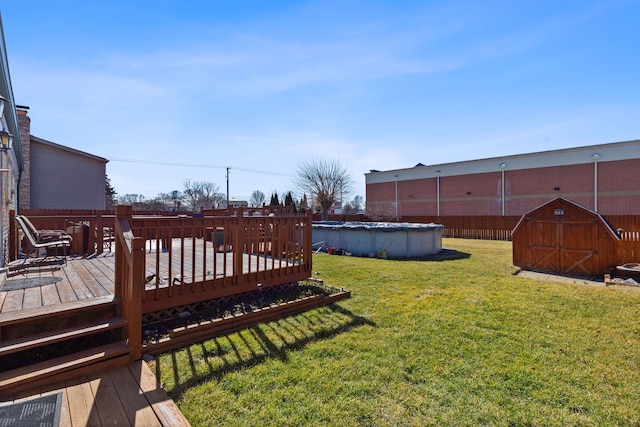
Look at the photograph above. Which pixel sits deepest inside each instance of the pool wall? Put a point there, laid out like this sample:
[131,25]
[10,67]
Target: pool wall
[397,240]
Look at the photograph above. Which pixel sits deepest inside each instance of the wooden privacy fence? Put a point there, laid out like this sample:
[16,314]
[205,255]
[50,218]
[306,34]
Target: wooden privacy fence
[465,227]
[493,227]
[462,227]
[628,229]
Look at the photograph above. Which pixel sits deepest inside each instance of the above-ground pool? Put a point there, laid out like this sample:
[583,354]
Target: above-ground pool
[384,239]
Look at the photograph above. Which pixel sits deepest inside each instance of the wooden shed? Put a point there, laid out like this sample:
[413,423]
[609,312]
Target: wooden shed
[563,237]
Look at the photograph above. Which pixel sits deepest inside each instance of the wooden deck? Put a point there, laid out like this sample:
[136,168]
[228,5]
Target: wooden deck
[80,279]
[83,278]
[116,393]
[122,395]
[128,395]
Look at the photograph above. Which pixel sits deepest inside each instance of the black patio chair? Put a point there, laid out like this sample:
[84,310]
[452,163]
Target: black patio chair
[43,239]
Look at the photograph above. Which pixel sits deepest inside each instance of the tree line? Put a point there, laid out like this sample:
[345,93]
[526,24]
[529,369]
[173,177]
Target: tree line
[324,185]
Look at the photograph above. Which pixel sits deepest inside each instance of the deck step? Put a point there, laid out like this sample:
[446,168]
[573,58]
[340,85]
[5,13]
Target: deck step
[71,309]
[62,367]
[52,319]
[46,338]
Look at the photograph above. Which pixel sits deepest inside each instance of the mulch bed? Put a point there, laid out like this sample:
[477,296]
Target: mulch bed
[232,306]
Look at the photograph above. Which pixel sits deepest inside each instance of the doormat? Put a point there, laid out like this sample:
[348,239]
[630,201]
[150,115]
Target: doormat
[41,411]
[29,282]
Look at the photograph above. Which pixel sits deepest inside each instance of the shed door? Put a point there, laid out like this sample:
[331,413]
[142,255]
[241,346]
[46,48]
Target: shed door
[543,248]
[578,250]
[563,246]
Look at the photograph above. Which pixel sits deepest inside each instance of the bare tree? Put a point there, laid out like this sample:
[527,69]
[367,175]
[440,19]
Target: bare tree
[130,199]
[354,206]
[169,201]
[192,193]
[201,194]
[257,199]
[326,182]
[211,195]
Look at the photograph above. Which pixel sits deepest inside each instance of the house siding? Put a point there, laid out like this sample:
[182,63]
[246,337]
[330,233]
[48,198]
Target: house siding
[64,179]
[11,160]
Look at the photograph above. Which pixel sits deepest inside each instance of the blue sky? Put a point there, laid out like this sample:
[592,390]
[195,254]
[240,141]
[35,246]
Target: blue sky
[260,86]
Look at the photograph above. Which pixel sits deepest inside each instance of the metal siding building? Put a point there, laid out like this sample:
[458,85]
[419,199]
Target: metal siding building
[65,178]
[604,178]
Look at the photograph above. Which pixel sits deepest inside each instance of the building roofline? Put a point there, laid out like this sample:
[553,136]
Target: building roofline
[69,149]
[6,90]
[549,158]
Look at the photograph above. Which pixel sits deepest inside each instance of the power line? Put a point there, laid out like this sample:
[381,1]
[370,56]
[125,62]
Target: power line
[195,165]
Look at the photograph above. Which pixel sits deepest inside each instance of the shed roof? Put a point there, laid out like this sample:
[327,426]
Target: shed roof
[562,202]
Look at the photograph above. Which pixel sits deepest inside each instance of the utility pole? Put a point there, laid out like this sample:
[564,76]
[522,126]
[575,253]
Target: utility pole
[228,169]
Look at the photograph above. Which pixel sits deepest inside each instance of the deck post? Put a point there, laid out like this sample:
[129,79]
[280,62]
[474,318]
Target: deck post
[136,290]
[239,241]
[96,238]
[13,236]
[129,278]
[122,212]
[307,248]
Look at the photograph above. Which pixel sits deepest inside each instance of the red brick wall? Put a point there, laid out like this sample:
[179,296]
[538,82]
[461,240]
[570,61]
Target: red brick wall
[24,124]
[481,194]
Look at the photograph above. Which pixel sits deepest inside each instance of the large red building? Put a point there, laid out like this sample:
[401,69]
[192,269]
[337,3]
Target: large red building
[604,178]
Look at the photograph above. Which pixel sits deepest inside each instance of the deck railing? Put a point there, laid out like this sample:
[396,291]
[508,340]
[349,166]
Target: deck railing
[92,230]
[129,278]
[167,262]
[196,259]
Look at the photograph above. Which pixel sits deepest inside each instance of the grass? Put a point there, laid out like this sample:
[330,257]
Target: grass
[456,342]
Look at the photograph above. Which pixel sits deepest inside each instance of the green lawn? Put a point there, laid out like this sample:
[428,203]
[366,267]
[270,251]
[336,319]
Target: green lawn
[457,342]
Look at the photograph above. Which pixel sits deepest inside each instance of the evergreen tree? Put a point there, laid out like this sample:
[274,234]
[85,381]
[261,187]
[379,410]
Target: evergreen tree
[303,205]
[288,201]
[274,199]
[110,194]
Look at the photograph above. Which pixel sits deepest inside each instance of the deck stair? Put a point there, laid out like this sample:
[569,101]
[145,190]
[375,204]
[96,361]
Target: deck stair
[49,344]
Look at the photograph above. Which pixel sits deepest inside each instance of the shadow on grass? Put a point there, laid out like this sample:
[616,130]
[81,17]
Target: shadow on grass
[448,255]
[218,356]
[443,255]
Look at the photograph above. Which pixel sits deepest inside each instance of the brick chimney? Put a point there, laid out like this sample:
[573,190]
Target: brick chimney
[24,127]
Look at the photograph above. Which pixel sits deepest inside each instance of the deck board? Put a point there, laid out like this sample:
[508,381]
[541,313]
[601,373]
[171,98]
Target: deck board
[80,400]
[127,395]
[110,409]
[49,295]
[93,277]
[135,406]
[32,297]
[65,292]
[80,288]
[13,301]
